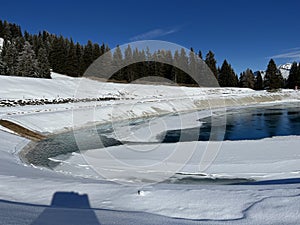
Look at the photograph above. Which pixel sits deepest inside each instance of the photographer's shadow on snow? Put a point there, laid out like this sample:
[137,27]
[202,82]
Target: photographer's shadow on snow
[68,208]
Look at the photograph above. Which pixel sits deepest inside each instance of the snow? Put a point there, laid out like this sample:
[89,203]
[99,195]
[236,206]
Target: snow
[26,191]
[1,43]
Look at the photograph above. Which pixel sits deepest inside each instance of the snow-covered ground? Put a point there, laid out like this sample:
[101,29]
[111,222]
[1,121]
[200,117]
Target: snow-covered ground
[26,191]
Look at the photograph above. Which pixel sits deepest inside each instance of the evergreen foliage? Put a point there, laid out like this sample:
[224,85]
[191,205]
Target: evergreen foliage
[259,85]
[247,79]
[294,76]
[273,78]
[27,64]
[211,63]
[227,76]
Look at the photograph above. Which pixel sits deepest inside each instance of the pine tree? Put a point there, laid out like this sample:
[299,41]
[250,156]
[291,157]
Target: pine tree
[71,65]
[292,79]
[10,57]
[298,76]
[247,79]
[6,33]
[2,65]
[273,78]
[176,71]
[57,56]
[128,58]
[183,78]
[117,64]
[96,51]
[200,54]
[43,64]
[192,67]
[227,77]
[211,63]
[27,63]
[259,81]
[88,56]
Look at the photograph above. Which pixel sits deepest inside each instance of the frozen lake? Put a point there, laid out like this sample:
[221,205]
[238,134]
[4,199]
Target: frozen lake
[248,123]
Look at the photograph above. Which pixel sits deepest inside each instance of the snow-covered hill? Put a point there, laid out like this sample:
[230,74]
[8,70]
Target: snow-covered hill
[26,191]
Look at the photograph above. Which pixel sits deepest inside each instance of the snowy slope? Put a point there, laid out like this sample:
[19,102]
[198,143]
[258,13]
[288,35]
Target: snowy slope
[26,191]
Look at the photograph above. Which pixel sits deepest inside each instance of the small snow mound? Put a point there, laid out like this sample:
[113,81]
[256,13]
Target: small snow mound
[58,76]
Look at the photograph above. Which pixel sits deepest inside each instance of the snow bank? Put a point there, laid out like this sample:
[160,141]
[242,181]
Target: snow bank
[213,204]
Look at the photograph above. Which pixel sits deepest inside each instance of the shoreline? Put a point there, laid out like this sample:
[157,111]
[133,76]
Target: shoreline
[31,145]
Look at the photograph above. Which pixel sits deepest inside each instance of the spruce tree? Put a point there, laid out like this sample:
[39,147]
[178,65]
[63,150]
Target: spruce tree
[298,76]
[10,57]
[200,54]
[292,79]
[211,63]
[43,64]
[2,66]
[27,64]
[273,78]
[128,71]
[227,77]
[57,57]
[259,81]
[88,56]
[71,65]
[247,79]
[117,64]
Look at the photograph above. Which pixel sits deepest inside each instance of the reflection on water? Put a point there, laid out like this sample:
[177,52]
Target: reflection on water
[242,124]
[249,124]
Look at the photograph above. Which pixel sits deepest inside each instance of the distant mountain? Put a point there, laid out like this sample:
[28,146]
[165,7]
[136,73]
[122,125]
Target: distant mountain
[284,69]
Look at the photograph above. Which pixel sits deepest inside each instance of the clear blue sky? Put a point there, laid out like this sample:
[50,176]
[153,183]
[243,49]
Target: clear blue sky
[245,32]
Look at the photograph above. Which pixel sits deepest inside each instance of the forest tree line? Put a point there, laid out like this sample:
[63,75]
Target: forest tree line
[24,54]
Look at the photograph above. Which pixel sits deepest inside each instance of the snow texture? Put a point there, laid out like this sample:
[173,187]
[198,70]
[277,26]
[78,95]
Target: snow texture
[27,193]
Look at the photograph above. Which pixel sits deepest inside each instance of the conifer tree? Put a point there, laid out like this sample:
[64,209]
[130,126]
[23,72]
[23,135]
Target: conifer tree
[71,65]
[259,81]
[10,57]
[227,77]
[273,78]
[96,51]
[57,57]
[43,64]
[200,54]
[27,64]
[292,79]
[2,66]
[117,64]
[211,63]
[247,79]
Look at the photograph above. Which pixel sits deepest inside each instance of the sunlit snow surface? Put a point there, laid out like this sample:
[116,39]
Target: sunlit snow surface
[25,191]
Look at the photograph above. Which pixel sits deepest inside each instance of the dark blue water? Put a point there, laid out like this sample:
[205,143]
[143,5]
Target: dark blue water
[250,123]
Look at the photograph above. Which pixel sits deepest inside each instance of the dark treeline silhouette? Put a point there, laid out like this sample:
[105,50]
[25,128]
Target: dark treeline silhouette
[34,55]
